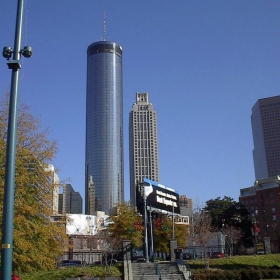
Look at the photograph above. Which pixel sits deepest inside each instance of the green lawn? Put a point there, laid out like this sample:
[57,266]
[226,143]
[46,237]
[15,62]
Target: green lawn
[237,267]
[236,262]
[71,272]
[228,263]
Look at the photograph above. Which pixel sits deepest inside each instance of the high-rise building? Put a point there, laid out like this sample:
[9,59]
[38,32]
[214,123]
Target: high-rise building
[71,201]
[143,143]
[53,180]
[104,127]
[265,122]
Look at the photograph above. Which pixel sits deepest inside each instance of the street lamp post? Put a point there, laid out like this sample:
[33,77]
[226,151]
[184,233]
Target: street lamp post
[151,235]
[193,233]
[265,222]
[193,240]
[9,188]
[173,223]
[147,190]
[145,230]
[256,242]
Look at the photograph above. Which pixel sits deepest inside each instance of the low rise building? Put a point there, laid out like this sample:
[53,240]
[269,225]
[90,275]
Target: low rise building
[263,202]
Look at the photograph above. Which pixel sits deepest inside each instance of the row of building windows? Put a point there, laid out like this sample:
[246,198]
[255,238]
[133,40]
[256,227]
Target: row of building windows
[146,117]
[270,105]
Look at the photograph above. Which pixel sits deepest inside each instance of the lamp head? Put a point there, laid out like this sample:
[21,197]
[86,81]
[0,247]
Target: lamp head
[26,51]
[7,52]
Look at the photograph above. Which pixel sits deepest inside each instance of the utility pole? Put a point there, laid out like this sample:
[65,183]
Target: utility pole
[146,230]
[9,188]
[151,234]
[147,190]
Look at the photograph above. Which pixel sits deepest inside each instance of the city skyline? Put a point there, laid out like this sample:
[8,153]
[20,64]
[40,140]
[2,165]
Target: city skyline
[205,64]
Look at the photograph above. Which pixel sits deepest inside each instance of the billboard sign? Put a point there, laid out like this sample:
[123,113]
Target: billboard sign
[161,197]
[80,224]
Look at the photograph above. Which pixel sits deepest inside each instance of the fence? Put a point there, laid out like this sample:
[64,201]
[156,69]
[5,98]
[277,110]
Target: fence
[87,257]
[198,252]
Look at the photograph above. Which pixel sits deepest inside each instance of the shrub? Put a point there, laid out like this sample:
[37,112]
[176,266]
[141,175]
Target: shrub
[239,274]
[251,274]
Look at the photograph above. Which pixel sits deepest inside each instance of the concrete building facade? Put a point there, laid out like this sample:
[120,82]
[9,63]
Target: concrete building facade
[143,143]
[263,202]
[53,181]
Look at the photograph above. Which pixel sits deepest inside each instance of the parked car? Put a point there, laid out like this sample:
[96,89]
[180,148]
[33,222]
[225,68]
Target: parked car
[15,277]
[139,259]
[70,263]
[187,256]
[217,255]
[112,261]
[109,262]
[96,263]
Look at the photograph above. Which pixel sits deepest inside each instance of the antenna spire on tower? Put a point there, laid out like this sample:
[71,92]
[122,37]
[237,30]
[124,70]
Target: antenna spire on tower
[104,27]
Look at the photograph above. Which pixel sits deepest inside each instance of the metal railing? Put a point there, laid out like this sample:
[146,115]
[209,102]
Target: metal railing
[158,271]
[185,268]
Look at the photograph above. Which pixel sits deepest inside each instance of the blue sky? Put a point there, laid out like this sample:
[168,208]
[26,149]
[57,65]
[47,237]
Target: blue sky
[203,63]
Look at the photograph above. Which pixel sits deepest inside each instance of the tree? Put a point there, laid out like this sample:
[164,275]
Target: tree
[109,246]
[227,213]
[126,224]
[232,235]
[202,228]
[37,240]
[163,232]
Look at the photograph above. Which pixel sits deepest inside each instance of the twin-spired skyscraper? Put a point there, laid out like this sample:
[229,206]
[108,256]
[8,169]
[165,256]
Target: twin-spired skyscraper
[104,127]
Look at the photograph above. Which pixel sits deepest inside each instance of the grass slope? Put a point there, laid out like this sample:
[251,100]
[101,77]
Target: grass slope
[238,262]
[228,263]
[72,272]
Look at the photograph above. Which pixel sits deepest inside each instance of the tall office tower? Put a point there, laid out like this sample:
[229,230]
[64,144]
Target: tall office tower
[91,196]
[143,143]
[53,180]
[71,201]
[104,127]
[265,122]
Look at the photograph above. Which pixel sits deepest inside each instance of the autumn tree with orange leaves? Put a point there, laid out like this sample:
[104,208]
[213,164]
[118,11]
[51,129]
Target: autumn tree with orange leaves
[37,240]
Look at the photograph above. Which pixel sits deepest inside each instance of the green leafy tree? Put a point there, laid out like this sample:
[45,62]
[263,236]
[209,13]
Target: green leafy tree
[37,240]
[229,214]
[163,232]
[126,224]
[225,211]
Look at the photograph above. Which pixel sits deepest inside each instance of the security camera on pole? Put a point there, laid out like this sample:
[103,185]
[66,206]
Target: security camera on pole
[9,188]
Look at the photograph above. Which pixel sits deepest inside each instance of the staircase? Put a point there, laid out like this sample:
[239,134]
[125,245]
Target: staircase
[157,271]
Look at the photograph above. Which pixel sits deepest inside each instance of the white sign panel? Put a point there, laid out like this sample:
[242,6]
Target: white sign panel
[79,224]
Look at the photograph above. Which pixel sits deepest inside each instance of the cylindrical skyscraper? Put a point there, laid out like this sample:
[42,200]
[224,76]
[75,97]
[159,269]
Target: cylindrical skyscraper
[104,127]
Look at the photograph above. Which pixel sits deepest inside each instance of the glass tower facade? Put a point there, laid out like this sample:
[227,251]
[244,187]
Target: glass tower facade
[104,127]
[265,122]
